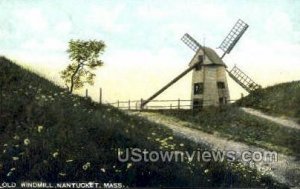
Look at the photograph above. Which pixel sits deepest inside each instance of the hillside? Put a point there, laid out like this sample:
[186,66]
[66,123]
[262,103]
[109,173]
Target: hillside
[47,134]
[233,123]
[282,99]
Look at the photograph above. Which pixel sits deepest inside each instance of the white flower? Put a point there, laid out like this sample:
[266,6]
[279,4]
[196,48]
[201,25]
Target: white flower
[170,138]
[103,170]
[181,144]
[9,174]
[62,174]
[26,141]
[13,169]
[5,145]
[40,128]
[69,161]
[16,137]
[15,158]
[55,154]
[206,171]
[129,165]
[86,166]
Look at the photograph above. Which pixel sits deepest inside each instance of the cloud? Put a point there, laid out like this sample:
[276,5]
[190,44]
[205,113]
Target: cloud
[48,44]
[107,18]
[32,18]
[63,27]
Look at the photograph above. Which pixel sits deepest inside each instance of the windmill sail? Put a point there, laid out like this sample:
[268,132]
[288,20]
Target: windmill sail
[243,80]
[191,42]
[233,37]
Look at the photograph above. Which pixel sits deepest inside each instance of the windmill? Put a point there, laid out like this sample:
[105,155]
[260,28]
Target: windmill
[209,82]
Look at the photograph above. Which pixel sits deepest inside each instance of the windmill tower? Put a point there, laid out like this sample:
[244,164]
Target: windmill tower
[209,82]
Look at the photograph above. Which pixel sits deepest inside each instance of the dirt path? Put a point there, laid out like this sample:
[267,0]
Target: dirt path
[285,170]
[281,121]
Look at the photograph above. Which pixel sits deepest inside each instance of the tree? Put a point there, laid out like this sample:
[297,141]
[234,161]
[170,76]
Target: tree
[84,56]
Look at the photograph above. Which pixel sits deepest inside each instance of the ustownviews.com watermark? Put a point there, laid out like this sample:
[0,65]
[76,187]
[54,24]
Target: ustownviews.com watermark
[138,155]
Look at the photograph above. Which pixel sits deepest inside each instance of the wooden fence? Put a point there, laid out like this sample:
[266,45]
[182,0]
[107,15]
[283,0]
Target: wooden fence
[152,105]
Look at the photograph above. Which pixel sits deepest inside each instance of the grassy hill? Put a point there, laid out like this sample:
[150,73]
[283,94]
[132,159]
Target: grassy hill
[233,123]
[47,134]
[281,99]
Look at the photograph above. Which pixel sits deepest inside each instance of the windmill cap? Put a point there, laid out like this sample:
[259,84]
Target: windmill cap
[213,56]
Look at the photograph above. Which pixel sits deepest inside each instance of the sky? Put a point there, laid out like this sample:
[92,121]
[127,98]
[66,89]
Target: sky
[144,50]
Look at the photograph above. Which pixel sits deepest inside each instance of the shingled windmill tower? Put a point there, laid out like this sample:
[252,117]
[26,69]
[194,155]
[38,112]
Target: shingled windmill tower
[209,82]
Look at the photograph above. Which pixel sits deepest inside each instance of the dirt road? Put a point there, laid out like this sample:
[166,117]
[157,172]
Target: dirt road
[281,121]
[285,170]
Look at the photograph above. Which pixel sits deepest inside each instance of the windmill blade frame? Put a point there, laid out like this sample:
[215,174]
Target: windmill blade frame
[191,42]
[243,80]
[233,37]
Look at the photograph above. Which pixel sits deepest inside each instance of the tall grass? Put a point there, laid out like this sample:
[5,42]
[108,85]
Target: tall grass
[48,134]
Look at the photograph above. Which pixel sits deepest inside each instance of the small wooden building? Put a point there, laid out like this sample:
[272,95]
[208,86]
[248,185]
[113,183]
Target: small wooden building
[209,83]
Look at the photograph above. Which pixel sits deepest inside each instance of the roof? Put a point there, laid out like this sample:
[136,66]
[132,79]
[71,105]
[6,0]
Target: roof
[213,56]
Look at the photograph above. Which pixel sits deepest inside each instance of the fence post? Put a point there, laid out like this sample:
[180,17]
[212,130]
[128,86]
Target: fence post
[171,106]
[100,96]
[128,104]
[86,93]
[141,103]
[136,106]
[178,103]
[118,103]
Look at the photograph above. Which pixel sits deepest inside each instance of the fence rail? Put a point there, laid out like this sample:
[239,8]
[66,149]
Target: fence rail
[153,104]
[157,104]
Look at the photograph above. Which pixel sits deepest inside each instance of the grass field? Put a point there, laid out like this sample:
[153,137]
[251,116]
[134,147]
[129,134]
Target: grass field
[282,99]
[47,134]
[233,123]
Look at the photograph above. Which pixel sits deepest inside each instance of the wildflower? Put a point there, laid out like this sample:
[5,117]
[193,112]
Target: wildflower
[206,171]
[62,174]
[9,174]
[5,145]
[16,137]
[103,170]
[86,166]
[153,133]
[13,169]
[69,161]
[15,158]
[21,154]
[26,141]
[170,138]
[40,128]
[55,154]
[181,144]
[129,165]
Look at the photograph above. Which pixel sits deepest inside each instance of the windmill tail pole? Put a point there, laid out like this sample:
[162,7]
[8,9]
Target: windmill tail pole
[167,86]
